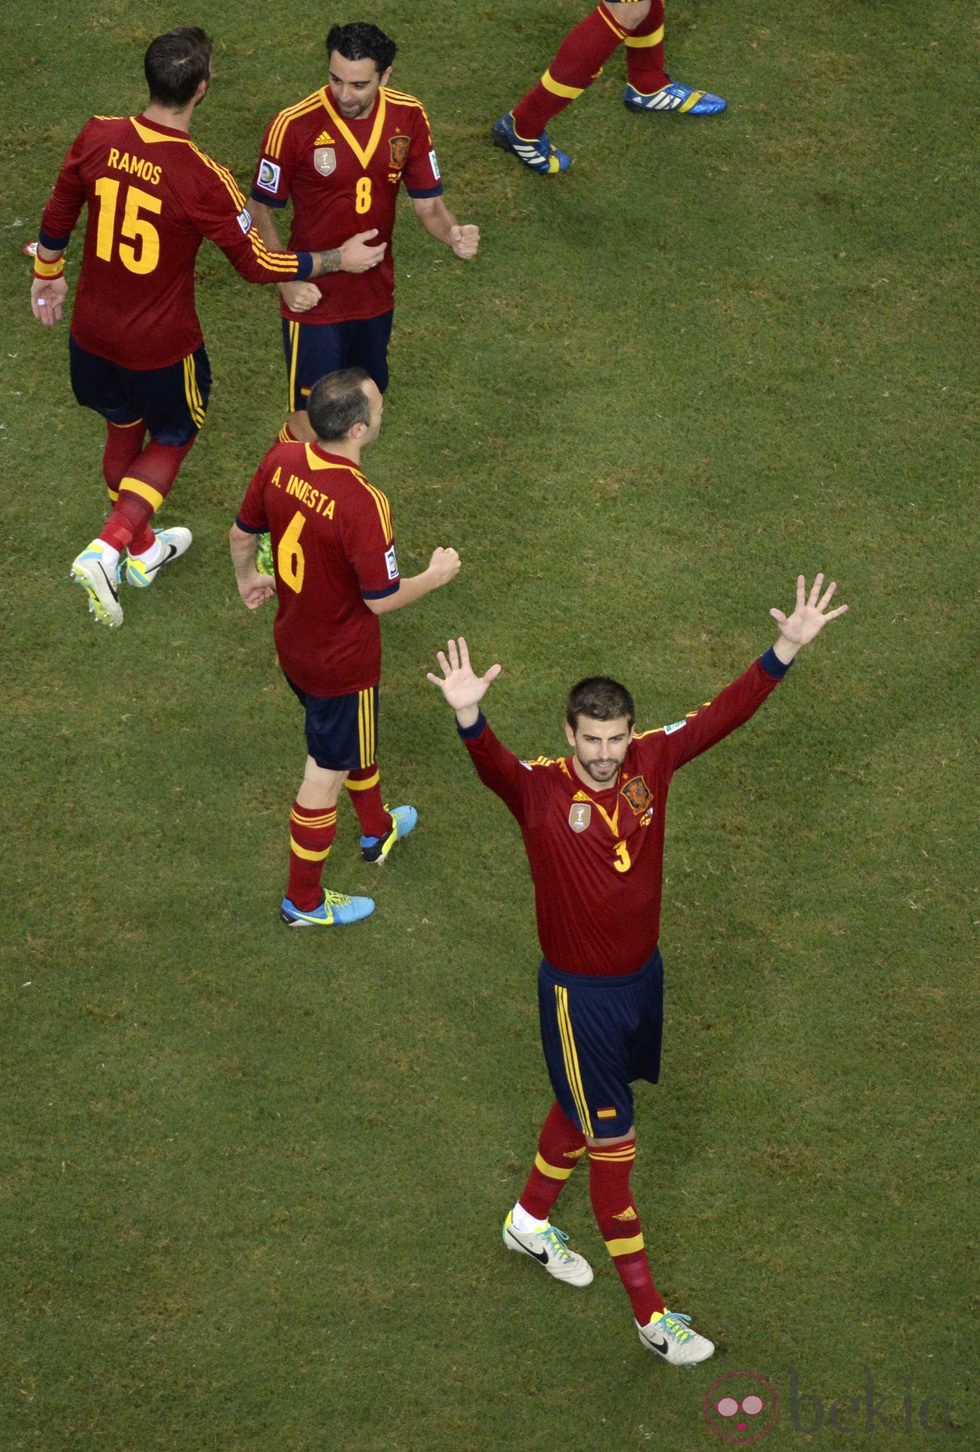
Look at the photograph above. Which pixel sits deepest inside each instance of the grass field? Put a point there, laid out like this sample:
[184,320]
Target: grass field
[252,1181]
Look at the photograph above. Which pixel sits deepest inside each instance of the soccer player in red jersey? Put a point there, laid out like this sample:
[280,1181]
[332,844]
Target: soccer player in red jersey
[136,347]
[580,58]
[593,829]
[340,156]
[336,572]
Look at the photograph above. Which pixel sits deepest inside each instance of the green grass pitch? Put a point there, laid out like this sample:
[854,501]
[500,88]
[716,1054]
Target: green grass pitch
[252,1181]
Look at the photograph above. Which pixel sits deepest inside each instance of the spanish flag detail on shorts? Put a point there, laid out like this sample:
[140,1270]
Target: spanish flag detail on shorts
[605,1114]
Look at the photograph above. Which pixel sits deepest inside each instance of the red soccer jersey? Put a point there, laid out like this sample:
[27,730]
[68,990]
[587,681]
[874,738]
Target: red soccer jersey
[333,547]
[152,195]
[596,857]
[343,178]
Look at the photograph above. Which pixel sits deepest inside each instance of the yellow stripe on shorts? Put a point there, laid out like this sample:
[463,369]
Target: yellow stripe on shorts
[569,1055]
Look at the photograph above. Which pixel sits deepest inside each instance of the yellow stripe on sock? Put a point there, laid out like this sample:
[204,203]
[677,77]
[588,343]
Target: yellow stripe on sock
[639,41]
[568,93]
[553,1172]
[625,1247]
[152,496]
[305,853]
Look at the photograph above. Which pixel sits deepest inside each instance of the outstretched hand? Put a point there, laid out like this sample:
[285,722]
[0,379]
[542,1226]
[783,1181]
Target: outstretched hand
[808,619]
[459,683]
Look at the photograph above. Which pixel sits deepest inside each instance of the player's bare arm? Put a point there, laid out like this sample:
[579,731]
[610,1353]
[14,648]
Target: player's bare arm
[459,683]
[439,222]
[254,587]
[358,254]
[442,567]
[808,618]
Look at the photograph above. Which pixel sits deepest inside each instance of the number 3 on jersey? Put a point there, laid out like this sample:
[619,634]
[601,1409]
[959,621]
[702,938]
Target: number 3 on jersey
[622,863]
[362,195]
[289,556]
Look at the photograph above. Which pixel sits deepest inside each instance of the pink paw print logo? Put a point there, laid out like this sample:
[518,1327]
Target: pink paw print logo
[742,1407]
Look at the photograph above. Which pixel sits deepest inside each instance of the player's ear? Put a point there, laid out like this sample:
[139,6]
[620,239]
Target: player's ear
[384,77]
[569,734]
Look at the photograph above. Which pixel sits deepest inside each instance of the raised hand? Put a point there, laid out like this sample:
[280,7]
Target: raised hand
[459,683]
[809,617]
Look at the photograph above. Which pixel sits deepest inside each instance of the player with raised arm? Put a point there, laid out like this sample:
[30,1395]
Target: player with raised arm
[593,829]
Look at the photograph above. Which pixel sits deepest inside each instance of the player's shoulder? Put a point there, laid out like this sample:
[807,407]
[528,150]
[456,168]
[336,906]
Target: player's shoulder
[297,113]
[401,100]
[648,745]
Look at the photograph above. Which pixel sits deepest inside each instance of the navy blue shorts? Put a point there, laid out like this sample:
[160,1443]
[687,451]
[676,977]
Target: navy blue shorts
[341,731]
[599,1035]
[315,349]
[170,401]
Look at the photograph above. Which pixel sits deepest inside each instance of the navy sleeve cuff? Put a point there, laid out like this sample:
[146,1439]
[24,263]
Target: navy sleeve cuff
[247,528]
[53,244]
[470,733]
[772,665]
[426,192]
[305,260]
[273,202]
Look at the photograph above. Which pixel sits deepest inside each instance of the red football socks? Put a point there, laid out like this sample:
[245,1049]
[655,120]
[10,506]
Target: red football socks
[560,1147]
[645,52]
[580,58]
[123,444]
[142,490]
[619,1222]
[311,833]
[364,785]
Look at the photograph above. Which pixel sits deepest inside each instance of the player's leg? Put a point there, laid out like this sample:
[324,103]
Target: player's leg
[561,1143]
[666,1333]
[579,60]
[599,1035]
[171,404]
[331,733]
[312,350]
[380,828]
[174,402]
[649,88]
[528,1228]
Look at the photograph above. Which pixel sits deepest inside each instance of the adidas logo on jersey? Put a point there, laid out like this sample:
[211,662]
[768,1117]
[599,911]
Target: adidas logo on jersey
[325,139]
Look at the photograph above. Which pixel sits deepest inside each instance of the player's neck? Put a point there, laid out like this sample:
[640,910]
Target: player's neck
[164,116]
[349,449]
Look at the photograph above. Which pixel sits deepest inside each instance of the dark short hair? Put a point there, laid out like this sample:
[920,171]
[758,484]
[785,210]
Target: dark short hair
[337,402]
[361,41]
[600,698]
[176,63]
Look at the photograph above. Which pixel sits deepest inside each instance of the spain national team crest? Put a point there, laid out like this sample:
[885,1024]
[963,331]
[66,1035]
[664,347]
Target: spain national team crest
[579,816]
[398,146]
[325,160]
[638,794]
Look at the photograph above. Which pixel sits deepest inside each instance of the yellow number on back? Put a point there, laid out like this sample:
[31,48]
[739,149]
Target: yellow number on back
[145,256]
[289,556]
